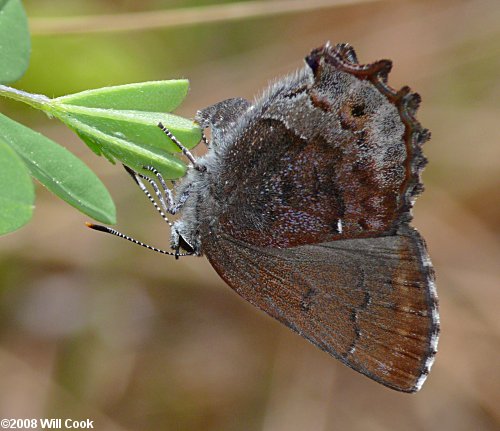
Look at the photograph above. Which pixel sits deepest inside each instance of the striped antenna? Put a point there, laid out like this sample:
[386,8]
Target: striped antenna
[162,208]
[184,150]
[133,240]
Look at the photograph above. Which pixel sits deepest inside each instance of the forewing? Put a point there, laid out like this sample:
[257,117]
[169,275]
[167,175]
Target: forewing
[330,153]
[368,302]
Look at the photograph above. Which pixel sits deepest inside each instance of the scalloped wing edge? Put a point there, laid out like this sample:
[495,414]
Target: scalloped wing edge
[343,57]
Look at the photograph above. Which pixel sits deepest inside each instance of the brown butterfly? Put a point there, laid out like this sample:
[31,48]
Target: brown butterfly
[302,205]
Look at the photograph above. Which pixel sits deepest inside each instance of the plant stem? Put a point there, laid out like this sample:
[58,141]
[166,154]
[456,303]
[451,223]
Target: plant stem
[168,18]
[37,101]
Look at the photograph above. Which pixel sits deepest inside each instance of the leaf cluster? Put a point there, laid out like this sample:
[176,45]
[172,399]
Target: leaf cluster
[119,123]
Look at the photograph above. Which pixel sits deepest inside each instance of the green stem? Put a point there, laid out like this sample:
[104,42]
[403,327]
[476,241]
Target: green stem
[37,101]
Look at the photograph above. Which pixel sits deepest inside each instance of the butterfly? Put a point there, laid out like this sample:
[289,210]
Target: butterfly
[302,204]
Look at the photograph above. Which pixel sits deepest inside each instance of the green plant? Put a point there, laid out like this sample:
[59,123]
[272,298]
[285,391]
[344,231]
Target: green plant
[118,122]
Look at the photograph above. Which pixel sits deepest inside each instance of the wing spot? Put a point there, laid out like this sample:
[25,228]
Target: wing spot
[358,110]
[363,224]
[308,299]
[339,225]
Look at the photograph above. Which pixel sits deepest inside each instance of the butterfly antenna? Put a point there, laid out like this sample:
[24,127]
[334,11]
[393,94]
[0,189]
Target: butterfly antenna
[137,178]
[111,231]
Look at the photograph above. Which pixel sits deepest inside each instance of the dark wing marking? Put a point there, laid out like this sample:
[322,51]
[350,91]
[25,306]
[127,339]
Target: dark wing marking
[368,302]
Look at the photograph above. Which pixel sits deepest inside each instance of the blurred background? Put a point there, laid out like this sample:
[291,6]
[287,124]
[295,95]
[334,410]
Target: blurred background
[93,327]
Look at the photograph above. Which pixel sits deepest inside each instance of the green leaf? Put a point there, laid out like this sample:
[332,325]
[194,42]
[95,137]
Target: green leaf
[138,127]
[15,42]
[17,193]
[151,96]
[60,171]
[133,137]
[129,153]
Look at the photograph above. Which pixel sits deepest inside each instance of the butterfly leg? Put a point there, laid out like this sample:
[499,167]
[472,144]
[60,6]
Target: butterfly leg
[184,150]
[164,206]
[205,139]
[171,205]
[167,205]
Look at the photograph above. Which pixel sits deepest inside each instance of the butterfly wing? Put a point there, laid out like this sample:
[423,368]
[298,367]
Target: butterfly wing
[368,302]
[329,153]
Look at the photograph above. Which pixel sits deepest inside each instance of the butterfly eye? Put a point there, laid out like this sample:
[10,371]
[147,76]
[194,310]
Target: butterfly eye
[185,245]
